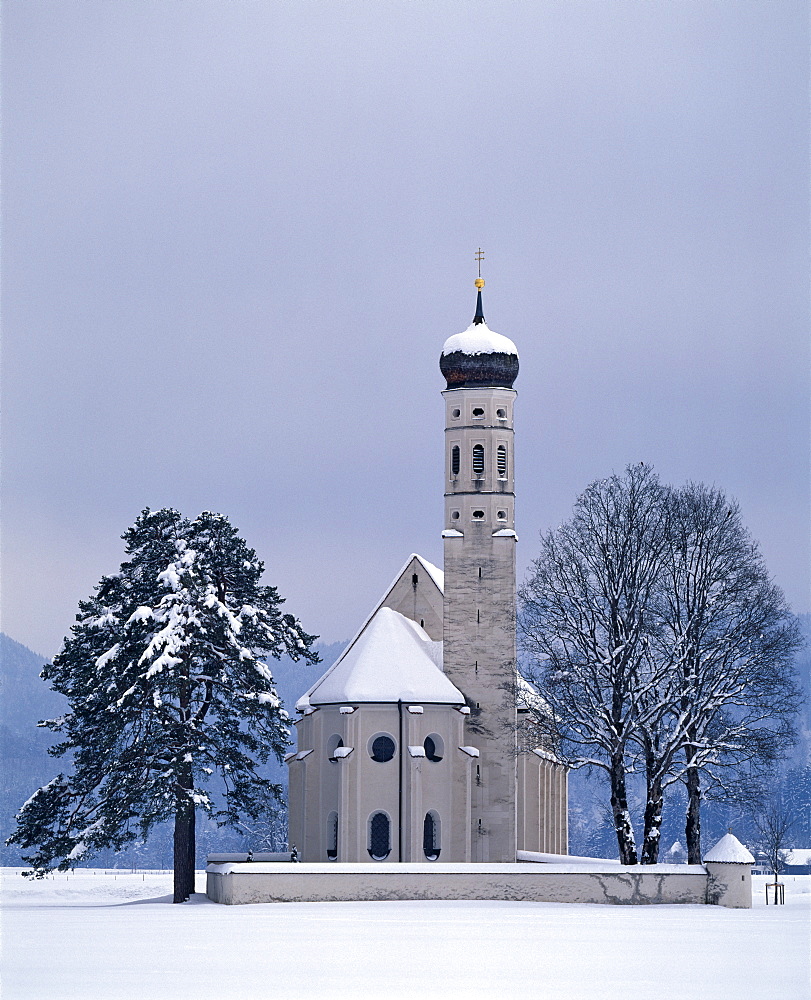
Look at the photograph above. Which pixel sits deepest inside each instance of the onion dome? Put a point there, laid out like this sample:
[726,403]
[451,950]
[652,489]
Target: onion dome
[479,357]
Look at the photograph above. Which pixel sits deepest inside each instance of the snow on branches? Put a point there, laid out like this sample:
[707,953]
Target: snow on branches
[168,683]
[660,643]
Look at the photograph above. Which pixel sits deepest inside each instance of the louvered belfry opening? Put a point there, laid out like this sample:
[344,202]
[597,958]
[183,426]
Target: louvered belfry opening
[455,460]
[478,459]
[501,461]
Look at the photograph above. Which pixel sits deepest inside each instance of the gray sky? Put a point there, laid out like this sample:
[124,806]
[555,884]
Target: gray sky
[236,235]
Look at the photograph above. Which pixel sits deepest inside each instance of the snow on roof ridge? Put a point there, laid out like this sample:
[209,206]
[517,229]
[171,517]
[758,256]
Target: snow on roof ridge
[304,701]
[479,339]
[436,574]
[729,850]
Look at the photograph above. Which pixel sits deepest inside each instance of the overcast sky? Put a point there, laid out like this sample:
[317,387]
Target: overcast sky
[236,235]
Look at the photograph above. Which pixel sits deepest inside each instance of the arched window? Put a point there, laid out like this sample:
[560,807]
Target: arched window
[332,745]
[382,748]
[434,748]
[379,836]
[501,461]
[478,459]
[332,836]
[455,460]
[430,836]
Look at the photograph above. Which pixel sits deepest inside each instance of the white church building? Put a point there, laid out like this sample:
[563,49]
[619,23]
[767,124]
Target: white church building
[411,747]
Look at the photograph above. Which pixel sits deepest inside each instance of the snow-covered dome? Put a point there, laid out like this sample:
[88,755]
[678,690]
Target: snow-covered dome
[729,850]
[392,660]
[479,339]
[479,356]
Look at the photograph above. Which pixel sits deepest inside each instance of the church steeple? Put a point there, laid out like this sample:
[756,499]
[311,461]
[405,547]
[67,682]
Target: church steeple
[480,367]
[479,317]
[479,283]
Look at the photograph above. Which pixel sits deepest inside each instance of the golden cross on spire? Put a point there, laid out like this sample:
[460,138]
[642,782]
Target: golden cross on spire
[479,258]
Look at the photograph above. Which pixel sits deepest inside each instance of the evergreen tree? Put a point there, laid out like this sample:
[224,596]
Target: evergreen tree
[168,686]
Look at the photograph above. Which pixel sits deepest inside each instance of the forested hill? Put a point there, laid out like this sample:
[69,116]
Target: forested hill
[25,699]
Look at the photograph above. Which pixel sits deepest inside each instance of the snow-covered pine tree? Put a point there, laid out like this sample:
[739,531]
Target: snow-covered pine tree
[166,677]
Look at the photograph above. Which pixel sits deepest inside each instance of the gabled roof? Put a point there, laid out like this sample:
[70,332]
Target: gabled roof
[392,660]
[438,578]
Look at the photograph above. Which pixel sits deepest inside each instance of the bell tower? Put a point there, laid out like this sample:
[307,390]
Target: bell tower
[480,367]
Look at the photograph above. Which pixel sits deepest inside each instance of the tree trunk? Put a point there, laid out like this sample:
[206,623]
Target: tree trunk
[692,829]
[622,818]
[184,842]
[653,821]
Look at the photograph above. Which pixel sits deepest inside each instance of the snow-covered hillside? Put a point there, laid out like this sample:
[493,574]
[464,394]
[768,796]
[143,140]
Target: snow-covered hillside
[117,936]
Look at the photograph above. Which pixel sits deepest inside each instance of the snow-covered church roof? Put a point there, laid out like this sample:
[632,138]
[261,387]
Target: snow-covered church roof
[392,659]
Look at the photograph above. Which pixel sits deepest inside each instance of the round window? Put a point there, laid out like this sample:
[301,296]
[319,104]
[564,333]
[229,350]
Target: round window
[502,515]
[501,414]
[455,515]
[456,413]
[381,748]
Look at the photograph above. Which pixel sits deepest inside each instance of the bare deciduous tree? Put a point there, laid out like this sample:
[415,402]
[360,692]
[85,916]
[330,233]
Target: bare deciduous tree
[728,639]
[583,620]
[661,644]
[773,825]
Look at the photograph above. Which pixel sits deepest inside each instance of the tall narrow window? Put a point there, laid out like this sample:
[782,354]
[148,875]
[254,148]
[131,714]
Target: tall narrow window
[379,836]
[332,836]
[332,745]
[501,461]
[430,836]
[455,460]
[478,459]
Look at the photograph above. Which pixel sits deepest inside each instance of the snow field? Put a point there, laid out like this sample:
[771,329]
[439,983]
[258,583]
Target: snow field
[117,936]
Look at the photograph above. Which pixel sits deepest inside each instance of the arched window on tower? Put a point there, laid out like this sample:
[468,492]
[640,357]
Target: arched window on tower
[501,461]
[478,460]
[430,836]
[332,836]
[379,836]
[455,460]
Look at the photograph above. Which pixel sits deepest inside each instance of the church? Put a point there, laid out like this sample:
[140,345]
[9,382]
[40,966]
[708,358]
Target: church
[414,745]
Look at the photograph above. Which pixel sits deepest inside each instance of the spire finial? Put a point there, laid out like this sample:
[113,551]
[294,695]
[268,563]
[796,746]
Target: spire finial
[479,283]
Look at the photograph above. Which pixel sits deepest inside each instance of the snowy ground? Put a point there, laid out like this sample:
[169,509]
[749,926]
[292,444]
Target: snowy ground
[116,936]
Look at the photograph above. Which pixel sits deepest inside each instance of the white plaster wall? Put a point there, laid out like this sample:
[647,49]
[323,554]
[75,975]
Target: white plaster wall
[421,602]
[656,884]
[729,884]
[358,786]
